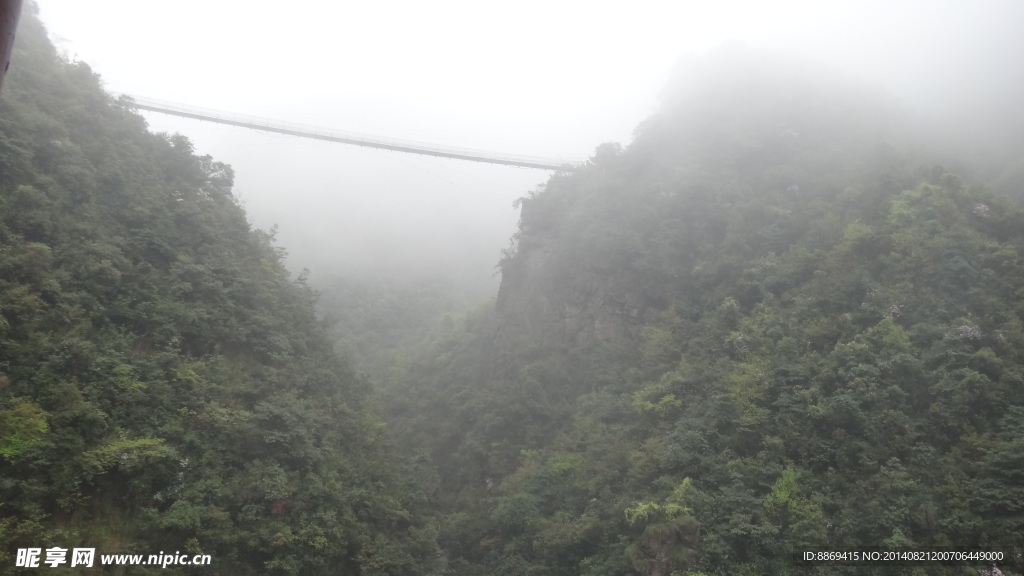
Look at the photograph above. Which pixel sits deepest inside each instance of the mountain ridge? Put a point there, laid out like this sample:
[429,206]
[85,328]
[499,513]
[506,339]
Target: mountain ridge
[165,385]
[770,322]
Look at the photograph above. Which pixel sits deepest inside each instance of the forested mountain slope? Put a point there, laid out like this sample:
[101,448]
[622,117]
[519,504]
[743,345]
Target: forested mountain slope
[164,385]
[771,321]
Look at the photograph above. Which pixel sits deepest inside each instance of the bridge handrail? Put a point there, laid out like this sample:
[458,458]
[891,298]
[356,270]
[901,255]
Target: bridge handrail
[305,131]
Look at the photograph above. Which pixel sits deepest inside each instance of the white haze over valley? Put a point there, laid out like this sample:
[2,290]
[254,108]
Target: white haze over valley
[535,78]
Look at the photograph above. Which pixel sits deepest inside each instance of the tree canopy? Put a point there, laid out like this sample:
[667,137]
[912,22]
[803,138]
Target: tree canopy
[772,321]
[164,383]
[769,322]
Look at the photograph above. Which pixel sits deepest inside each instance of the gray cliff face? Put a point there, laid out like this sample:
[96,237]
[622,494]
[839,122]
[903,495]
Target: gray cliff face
[603,251]
[551,297]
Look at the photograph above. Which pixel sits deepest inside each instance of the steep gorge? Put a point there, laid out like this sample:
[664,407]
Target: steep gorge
[772,321]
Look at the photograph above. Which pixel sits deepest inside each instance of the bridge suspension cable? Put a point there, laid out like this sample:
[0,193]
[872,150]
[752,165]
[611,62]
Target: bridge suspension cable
[346,137]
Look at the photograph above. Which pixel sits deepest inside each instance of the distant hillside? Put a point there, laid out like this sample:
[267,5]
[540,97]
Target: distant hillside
[164,385]
[770,322]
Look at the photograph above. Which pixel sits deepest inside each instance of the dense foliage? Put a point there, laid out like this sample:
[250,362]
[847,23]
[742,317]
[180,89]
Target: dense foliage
[770,322]
[164,385]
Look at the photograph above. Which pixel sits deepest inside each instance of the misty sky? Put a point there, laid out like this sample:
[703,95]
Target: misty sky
[536,78]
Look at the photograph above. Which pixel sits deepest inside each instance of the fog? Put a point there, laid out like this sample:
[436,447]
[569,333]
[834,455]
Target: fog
[527,77]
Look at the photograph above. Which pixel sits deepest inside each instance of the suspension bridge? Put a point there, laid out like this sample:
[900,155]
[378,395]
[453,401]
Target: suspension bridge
[298,130]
